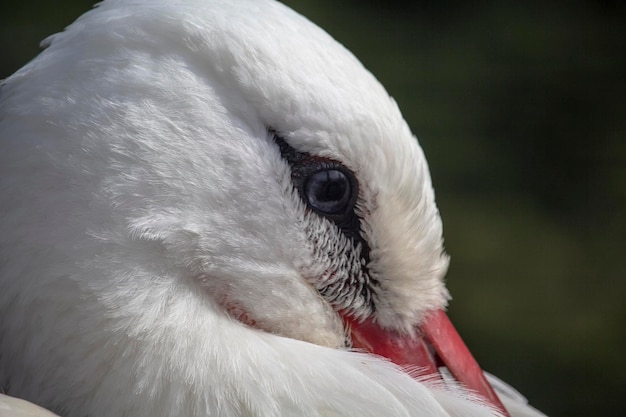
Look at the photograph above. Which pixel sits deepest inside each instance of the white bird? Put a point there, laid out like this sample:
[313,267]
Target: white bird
[210,208]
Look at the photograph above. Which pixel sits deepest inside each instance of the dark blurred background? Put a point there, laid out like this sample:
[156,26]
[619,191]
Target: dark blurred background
[521,110]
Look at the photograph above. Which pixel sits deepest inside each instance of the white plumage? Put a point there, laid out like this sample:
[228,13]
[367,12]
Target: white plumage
[157,255]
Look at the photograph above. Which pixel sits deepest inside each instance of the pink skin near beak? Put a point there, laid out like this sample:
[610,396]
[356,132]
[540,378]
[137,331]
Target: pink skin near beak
[437,344]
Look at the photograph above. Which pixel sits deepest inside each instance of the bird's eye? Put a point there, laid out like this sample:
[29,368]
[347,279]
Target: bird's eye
[328,191]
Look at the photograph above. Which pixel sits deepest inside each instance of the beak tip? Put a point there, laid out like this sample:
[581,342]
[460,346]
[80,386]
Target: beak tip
[437,344]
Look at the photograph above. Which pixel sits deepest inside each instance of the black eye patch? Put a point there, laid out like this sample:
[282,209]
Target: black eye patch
[330,190]
[327,187]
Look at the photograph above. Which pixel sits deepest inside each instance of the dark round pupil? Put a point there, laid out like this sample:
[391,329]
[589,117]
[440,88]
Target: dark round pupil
[328,191]
[331,190]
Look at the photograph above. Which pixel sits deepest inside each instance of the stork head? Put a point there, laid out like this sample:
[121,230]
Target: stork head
[231,150]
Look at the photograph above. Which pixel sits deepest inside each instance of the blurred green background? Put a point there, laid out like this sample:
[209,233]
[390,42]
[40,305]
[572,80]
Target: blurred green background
[521,110]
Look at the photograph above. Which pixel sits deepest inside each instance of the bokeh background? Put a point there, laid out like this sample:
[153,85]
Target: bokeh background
[521,110]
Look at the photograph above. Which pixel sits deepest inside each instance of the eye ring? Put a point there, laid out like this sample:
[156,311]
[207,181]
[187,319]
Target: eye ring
[329,191]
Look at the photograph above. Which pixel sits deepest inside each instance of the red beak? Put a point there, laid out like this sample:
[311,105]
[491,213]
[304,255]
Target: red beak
[436,344]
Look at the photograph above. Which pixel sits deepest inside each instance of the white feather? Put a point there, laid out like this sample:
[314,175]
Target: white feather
[142,192]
